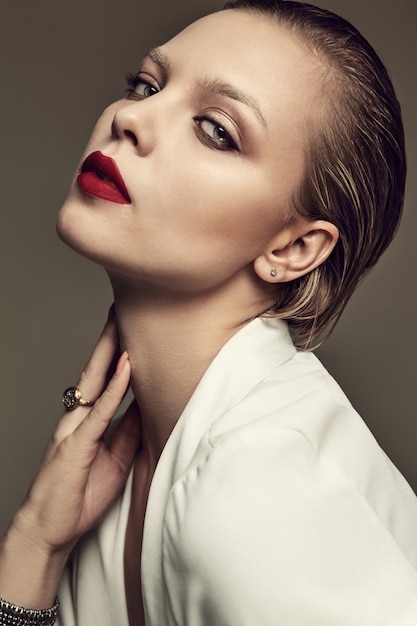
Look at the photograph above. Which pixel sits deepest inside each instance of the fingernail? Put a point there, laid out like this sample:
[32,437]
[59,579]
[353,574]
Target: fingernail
[122,362]
[111,313]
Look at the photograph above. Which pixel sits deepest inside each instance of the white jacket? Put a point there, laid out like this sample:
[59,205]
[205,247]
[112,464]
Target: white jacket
[272,505]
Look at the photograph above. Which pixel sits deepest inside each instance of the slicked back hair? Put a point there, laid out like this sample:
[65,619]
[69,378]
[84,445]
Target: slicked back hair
[355,164]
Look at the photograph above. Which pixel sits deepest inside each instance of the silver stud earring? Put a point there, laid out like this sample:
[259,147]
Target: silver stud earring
[274,271]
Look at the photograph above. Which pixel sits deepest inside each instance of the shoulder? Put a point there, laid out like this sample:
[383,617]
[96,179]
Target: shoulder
[289,502]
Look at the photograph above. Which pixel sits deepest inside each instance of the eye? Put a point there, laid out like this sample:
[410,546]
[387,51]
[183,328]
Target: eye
[216,134]
[139,87]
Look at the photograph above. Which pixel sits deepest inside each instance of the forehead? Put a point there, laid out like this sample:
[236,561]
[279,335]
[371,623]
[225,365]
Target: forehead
[240,33]
[255,54]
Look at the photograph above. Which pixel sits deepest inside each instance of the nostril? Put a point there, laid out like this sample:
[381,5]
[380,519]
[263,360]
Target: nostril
[131,136]
[120,130]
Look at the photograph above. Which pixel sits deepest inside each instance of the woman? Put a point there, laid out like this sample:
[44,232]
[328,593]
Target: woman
[253,174]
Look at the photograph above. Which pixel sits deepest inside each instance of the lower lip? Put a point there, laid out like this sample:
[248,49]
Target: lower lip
[95,186]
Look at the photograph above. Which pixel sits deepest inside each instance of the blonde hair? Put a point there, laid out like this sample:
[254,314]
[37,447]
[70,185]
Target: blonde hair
[356,165]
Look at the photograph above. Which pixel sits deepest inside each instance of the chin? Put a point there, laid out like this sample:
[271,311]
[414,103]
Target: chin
[80,229]
[73,229]
[68,225]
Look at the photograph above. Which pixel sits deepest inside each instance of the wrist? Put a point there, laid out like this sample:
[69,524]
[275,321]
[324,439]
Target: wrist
[30,570]
[13,615]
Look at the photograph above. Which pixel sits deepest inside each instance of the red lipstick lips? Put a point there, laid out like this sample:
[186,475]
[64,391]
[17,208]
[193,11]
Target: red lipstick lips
[100,177]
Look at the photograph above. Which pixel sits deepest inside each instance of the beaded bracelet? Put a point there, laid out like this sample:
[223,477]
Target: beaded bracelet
[12,615]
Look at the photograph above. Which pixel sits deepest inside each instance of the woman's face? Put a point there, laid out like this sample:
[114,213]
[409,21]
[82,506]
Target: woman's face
[210,145]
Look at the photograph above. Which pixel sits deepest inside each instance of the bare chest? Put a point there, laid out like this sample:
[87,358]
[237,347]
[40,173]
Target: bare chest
[142,477]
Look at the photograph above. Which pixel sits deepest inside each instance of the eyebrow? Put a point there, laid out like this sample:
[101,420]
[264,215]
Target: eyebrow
[229,91]
[160,58]
[209,85]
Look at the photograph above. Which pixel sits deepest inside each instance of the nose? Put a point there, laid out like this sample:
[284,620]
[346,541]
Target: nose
[133,122]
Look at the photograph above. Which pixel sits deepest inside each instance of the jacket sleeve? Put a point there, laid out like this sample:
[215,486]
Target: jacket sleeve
[262,531]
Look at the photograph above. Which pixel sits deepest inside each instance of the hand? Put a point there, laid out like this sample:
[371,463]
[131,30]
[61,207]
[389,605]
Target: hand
[79,478]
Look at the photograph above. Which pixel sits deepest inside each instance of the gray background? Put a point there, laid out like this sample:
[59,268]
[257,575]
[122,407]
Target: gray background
[62,61]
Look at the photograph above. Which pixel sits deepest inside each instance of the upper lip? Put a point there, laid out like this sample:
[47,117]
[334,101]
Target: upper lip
[105,167]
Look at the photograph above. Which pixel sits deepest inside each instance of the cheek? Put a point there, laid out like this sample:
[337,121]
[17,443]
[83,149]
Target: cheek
[221,217]
[239,206]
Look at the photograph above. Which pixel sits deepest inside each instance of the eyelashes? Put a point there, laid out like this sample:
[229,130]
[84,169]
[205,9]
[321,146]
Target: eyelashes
[212,131]
[215,134]
[131,80]
[139,86]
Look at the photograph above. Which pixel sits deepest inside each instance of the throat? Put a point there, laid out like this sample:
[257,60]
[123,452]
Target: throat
[171,340]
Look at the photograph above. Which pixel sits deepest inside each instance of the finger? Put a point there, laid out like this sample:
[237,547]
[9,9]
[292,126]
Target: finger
[95,374]
[94,378]
[126,439]
[95,423]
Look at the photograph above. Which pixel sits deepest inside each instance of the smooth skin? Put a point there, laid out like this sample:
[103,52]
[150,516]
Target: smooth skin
[190,258]
[211,145]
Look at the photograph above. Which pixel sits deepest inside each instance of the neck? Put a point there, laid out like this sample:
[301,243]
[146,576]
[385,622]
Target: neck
[171,339]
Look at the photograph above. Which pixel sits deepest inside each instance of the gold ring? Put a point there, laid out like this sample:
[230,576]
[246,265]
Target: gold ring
[72,398]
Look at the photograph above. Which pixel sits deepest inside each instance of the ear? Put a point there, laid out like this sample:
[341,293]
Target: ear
[296,250]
